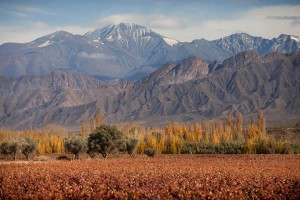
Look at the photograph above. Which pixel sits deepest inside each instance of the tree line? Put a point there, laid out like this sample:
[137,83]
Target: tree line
[214,136]
[103,140]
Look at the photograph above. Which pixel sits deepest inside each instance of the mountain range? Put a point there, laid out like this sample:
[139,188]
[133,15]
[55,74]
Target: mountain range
[125,51]
[192,89]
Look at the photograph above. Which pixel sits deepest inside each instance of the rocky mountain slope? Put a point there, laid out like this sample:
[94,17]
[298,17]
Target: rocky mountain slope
[243,83]
[125,51]
[59,97]
[191,90]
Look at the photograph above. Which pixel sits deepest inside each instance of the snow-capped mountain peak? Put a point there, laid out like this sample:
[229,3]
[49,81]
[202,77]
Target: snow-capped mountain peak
[284,37]
[126,50]
[50,39]
[118,31]
[133,38]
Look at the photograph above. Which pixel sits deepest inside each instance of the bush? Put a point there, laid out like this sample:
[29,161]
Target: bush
[63,157]
[42,158]
[28,146]
[11,147]
[91,153]
[76,145]
[210,148]
[131,144]
[150,152]
[189,148]
[263,147]
[104,140]
[283,148]
[233,148]
[295,148]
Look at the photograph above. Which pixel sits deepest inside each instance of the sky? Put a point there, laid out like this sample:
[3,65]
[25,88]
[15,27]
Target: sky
[184,20]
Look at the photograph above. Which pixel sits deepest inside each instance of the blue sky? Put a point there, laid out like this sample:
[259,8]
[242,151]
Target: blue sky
[24,21]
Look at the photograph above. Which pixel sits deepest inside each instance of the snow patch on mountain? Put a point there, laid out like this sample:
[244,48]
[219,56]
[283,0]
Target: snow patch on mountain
[170,42]
[109,38]
[96,41]
[100,56]
[46,43]
[297,39]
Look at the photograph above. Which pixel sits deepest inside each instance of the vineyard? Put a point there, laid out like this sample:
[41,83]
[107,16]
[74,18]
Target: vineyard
[161,177]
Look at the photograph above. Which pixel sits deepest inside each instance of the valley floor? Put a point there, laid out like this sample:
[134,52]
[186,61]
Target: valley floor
[161,177]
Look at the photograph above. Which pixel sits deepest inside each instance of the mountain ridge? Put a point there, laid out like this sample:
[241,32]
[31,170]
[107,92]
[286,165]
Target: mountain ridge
[125,51]
[172,93]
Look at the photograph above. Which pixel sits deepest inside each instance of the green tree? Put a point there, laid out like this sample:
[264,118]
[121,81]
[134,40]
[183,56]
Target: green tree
[10,147]
[105,139]
[131,144]
[150,152]
[91,153]
[27,146]
[76,145]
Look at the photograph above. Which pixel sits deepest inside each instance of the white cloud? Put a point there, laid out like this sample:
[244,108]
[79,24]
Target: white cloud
[100,56]
[29,9]
[40,26]
[267,22]
[159,23]
[152,21]
[23,11]
[30,32]
[294,20]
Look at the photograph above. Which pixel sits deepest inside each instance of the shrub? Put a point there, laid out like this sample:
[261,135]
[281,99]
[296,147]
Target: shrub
[42,158]
[11,147]
[28,146]
[104,140]
[210,148]
[76,145]
[189,148]
[263,147]
[91,153]
[233,148]
[283,148]
[295,148]
[63,157]
[150,152]
[131,144]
